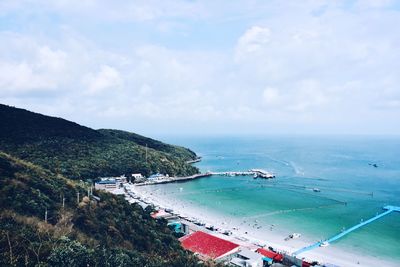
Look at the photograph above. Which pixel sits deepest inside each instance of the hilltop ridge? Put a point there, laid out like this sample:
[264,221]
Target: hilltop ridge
[79,152]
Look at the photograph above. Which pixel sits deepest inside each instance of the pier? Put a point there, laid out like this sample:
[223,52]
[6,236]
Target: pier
[253,172]
[389,209]
[231,173]
[175,179]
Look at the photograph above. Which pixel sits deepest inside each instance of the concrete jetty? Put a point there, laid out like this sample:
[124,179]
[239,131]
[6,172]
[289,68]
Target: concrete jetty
[253,172]
[389,209]
[175,179]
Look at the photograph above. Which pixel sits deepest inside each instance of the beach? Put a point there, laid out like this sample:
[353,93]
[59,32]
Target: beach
[252,233]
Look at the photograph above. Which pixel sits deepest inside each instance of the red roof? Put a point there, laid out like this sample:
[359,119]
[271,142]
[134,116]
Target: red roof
[208,245]
[159,213]
[270,254]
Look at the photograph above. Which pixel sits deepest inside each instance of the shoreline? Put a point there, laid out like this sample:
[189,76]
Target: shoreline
[166,180]
[248,234]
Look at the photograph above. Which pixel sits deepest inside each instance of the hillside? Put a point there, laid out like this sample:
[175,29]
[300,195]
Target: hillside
[110,232]
[79,152]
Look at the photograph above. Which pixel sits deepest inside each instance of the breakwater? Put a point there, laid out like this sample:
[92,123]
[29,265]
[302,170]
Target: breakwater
[174,179]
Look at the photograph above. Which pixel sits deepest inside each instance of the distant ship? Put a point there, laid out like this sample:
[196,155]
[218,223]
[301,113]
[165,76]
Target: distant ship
[373,165]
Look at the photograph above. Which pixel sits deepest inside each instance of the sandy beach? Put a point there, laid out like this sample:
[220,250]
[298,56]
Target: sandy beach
[250,233]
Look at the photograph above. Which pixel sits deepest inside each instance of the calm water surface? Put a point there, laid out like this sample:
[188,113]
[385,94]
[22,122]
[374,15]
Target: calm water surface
[351,188]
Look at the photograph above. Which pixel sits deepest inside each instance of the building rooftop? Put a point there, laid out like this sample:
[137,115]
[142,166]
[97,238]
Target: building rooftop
[160,214]
[270,254]
[208,246]
[247,258]
[157,175]
[248,254]
[109,181]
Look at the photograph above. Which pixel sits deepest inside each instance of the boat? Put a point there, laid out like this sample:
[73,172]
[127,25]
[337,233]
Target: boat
[373,165]
[262,173]
[295,235]
[227,232]
[210,227]
[199,223]
[316,189]
[324,244]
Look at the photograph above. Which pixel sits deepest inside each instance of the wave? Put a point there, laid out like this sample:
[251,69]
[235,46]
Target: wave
[297,170]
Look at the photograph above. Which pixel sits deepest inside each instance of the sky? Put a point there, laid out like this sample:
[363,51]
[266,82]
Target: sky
[206,67]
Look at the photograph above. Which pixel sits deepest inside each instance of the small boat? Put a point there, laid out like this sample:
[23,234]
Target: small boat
[295,235]
[324,244]
[196,222]
[227,232]
[316,189]
[210,227]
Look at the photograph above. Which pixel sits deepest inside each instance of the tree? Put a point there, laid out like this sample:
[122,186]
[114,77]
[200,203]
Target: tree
[70,254]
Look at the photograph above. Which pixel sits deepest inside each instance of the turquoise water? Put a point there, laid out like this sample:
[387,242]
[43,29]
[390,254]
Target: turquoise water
[351,189]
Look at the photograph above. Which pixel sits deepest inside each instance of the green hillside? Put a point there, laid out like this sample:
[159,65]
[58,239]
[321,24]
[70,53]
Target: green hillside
[110,232]
[78,152]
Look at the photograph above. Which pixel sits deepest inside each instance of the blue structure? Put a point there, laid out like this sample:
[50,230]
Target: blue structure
[389,209]
[268,260]
[107,181]
[155,176]
[177,226]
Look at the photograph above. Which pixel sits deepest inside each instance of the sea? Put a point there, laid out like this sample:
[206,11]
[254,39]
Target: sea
[356,176]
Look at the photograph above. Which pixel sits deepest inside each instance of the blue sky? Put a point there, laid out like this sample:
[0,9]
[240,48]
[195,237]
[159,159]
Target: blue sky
[212,67]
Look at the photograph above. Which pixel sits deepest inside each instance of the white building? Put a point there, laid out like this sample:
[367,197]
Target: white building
[106,184]
[137,177]
[247,258]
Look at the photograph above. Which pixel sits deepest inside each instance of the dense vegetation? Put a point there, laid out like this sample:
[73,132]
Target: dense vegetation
[109,232]
[78,152]
[47,219]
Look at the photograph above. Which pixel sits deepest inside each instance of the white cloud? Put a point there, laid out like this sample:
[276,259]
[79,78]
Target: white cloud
[115,11]
[309,95]
[374,3]
[271,96]
[106,78]
[54,60]
[231,64]
[42,68]
[302,96]
[254,39]
[389,104]
[21,77]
